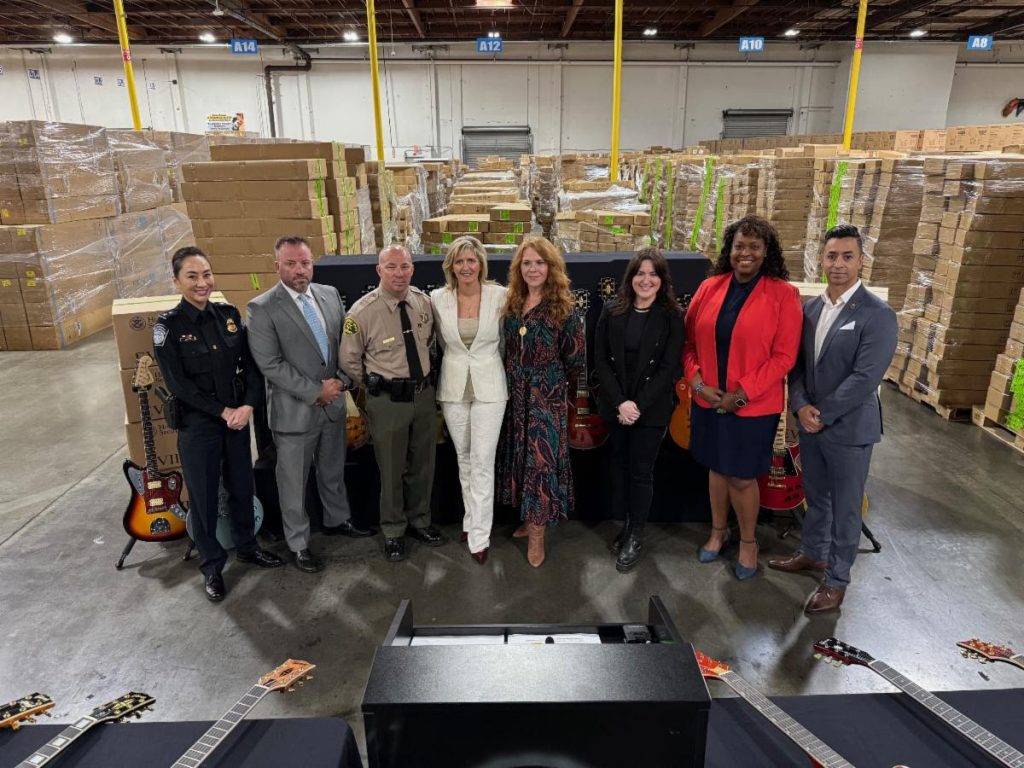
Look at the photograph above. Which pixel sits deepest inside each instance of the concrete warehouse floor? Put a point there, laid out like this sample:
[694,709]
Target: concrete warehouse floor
[946,506]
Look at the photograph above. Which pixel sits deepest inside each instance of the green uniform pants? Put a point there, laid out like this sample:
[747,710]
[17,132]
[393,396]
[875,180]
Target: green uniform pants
[404,442]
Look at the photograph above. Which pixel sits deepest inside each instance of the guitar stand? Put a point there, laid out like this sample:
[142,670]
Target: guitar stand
[131,543]
[798,521]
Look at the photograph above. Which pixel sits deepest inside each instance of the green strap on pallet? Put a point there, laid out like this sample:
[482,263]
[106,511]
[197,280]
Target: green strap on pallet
[1015,420]
[669,213]
[834,193]
[719,214]
[709,168]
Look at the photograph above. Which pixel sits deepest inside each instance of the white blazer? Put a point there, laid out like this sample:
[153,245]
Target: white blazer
[483,357]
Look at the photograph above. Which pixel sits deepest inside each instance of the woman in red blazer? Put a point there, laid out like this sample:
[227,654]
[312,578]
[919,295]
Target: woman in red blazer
[742,337]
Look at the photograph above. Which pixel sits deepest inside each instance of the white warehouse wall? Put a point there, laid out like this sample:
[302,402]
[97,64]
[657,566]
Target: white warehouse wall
[671,96]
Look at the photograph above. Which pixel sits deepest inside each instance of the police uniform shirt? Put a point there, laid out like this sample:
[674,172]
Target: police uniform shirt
[201,352]
[372,340]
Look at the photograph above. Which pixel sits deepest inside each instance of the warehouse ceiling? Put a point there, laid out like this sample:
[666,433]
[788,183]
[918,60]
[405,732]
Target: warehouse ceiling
[319,21]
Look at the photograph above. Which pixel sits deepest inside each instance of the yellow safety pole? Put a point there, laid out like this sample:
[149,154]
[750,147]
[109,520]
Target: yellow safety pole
[613,168]
[851,96]
[371,26]
[126,57]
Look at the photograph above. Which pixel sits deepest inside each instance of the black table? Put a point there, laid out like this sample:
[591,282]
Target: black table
[322,742]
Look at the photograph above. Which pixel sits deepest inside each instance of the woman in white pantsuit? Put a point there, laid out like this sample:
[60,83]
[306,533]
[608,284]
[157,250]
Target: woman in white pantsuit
[472,390]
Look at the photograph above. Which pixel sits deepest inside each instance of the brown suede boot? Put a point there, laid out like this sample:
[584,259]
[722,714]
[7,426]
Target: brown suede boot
[522,531]
[535,546]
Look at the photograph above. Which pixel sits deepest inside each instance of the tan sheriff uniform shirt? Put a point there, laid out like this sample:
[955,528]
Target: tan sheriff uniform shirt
[371,341]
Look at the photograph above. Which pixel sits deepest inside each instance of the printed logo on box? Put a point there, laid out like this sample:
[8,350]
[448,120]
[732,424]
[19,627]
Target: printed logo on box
[490,45]
[97,80]
[980,42]
[245,47]
[751,44]
[33,74]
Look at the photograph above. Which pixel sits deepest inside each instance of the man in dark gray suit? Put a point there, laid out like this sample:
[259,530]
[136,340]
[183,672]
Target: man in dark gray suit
[294,335]
[849,337]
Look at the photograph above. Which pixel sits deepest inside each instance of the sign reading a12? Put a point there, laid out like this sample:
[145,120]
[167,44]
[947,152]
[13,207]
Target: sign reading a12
[751,44]
[245,46]
[489,45]
[980,42]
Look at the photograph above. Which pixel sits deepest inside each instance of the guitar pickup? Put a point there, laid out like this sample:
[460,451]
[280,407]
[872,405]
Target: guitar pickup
[154,485]
[156,502]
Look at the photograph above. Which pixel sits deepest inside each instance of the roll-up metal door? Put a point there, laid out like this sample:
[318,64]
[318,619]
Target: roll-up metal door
[508,141]
[746,123]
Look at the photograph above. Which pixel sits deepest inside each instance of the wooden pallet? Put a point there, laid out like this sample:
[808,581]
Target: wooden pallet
[959,413]
[997,430]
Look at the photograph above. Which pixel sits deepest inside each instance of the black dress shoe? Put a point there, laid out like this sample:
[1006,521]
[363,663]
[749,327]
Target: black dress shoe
[616,544]
[261,557]
[348,528]
[629,555]
[430,535]
[308,562]
[215,589]
[394,550]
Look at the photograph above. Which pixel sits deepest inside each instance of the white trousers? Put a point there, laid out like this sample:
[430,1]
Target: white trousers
[475,428]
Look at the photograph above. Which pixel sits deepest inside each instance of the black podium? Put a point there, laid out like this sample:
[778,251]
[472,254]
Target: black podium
[551,696]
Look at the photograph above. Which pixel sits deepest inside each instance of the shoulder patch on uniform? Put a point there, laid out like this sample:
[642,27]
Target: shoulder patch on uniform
[159,334]
[351,326]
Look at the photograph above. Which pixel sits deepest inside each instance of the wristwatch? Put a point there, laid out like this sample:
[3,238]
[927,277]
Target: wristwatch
[699,388]
[740,402]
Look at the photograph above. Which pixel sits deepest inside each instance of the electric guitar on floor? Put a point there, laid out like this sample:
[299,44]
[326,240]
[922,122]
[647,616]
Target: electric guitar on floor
[118,710]
[284,678]
[155,511]
[987,652]
[24,710]
[822,755]
[586,429]
[838,653]
[679,426]
[782,489]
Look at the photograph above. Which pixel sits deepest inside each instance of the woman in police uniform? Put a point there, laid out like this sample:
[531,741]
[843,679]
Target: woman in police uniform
[204,357]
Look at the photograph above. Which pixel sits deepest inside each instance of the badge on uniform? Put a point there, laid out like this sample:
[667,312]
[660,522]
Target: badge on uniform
[186,337]
[159,334]
[230,325]
[351,326]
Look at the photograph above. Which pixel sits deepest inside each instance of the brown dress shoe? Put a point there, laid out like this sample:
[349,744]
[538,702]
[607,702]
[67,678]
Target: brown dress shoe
[796,563]
[535,545]
[825,599]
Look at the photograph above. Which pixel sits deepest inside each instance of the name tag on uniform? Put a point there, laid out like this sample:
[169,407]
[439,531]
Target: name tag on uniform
[389,340]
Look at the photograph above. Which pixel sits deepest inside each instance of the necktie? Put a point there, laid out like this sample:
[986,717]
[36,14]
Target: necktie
[315,325]
[412,354]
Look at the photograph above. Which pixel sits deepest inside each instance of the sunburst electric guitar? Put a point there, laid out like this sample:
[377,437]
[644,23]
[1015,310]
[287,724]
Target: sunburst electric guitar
[24,710]
[284,678]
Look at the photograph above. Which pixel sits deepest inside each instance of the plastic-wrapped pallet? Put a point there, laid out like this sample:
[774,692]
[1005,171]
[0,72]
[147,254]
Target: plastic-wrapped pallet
[733,195]
[786,192]
[412,204]
[1004,401]
[141,165]
[544,185]
[603,230]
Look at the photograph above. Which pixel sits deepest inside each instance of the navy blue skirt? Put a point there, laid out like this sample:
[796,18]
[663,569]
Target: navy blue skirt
[732,445]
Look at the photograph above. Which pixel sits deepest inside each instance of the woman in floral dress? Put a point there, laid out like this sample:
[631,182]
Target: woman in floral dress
[544,351]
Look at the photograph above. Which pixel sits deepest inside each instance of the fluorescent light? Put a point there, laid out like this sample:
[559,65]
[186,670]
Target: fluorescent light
[791,32]
[63,38]
[350,36]
[207,37]
[918,33]
[650,32]
[494,34]
[493,3]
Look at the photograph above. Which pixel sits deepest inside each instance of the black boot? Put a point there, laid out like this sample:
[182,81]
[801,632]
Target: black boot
[622,535]
[630,553]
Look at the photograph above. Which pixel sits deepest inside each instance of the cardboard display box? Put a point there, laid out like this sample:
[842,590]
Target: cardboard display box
[133,325]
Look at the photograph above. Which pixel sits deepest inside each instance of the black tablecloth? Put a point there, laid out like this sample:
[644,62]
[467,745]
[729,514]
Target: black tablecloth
[869,730]
[323,742]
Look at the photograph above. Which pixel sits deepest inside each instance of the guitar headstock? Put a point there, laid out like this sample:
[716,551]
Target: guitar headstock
[581,299]
[286,676]
[607,289]
[684,301]
[709,667]
[24,710]
[836,652]
[984,652]
[143,378]
[132,704]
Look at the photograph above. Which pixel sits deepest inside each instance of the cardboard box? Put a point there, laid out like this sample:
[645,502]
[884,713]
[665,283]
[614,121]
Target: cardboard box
[257,282]
[242,264]
[17,338]
[258,209]
[70,329]
[230,191]
[270,228]
[133,321]
[256,170]
[133,411]
[332,152]
[246,246]
[165,443]
[511,212]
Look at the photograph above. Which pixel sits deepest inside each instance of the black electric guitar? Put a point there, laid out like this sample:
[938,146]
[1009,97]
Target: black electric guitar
[839,653]
[988,652]
[822,755]
[155,511]
[586,428]
[24,710]
[284,678]
[130,705]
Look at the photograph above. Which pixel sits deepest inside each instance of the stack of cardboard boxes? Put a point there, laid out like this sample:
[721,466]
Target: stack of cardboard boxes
[1004,402]
[734,195]
[500,227]
[542,188]
[603,231]
[818,215]
[381,183]
[785,197]
[495,163]
[178,149]
[412,203]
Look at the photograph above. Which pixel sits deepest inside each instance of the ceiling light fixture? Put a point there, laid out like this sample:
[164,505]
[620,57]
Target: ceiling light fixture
[217,11]
[494,34]
[918,33]
[350,36]
[650,32]
[63,38]
[493,3]
[791,32]
[207,37]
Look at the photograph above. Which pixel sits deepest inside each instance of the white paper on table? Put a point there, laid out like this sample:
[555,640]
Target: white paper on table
[585,638]
[458,640]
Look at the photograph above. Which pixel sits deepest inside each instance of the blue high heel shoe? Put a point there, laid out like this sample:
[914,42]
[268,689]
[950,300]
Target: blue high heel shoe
[742,572]
[710,555]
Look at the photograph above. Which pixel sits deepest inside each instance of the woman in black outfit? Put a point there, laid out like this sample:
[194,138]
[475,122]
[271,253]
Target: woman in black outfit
[637,351]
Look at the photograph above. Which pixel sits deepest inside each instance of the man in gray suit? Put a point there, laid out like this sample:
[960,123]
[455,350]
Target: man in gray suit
[294,335]
[849,337]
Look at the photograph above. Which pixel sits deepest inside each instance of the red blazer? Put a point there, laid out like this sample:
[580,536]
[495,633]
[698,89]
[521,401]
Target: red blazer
[764,346]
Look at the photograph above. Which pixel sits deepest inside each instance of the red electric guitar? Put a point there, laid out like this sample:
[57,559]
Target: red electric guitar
[987,652]
[679,426]
[155,511]
[586,428]
[782,489]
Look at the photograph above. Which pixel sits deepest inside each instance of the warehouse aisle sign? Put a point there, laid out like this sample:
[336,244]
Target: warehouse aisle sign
[980,43]
[751,44]
[245,47]
[223,122]
[490,45]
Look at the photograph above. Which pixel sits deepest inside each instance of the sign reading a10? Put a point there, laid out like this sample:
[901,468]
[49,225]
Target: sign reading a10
[751,44]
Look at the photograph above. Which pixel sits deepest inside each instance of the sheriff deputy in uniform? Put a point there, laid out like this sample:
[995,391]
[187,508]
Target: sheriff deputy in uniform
[385,347]
[204,357]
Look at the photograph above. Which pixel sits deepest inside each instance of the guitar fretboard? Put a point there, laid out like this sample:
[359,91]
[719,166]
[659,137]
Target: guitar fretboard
[219,730]
[1017,660]
[989,742]
[54,746]
[147,433]
[821,752]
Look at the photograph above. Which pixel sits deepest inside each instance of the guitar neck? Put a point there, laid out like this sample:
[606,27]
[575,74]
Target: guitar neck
[210,740]
[147,433]
[1017,660]
[820,752]
[992,744]
[58,743]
